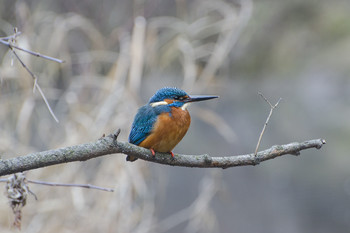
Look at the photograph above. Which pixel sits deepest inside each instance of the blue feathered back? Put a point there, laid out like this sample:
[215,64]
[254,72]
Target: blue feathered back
[144,121]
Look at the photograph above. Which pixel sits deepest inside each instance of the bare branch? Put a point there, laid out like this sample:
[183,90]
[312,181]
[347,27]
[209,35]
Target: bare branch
[36,85]
[110,145]
[10,37]
[272,107]
[89,186]
[10,41]
[36,54]
[4,40]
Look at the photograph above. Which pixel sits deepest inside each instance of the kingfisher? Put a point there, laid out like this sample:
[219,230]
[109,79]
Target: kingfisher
[163,121]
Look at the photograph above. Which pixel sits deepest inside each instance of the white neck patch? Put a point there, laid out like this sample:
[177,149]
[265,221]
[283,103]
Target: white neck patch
[155,104]
[185,106]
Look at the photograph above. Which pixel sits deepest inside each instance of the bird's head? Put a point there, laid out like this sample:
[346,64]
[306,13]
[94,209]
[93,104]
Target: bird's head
[174,97]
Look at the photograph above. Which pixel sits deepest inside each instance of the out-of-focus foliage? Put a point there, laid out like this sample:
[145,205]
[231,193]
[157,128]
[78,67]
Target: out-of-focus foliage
[115,60]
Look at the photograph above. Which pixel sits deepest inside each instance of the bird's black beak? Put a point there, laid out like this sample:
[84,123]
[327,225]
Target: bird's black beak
[197,98]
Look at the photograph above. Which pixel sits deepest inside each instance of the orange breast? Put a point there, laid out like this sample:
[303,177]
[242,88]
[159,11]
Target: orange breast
[168,130]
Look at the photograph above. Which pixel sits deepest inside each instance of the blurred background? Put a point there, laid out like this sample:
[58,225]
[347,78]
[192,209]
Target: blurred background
[118,53]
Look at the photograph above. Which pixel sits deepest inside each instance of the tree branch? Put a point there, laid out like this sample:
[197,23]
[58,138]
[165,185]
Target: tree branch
[110,145]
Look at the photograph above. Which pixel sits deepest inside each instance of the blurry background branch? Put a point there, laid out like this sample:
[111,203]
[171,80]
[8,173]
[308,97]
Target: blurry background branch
[110,145]
[10,42]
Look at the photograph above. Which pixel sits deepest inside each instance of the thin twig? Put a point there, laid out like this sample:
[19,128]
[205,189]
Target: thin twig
[34,195]
[272,107]
[36,85]
[38,54]
[89,186]
[3,41]
[10,42]
[12,36]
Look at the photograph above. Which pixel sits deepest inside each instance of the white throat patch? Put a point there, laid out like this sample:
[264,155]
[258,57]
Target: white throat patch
[155,104]
[185,106]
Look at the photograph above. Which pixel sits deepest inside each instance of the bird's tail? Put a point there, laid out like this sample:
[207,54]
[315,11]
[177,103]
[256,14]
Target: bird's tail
[130,158]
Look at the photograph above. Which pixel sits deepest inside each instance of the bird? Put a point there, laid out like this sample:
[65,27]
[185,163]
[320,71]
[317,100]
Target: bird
[162,123]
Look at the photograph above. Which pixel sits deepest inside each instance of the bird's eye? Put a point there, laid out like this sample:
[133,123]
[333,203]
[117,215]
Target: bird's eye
[180,98]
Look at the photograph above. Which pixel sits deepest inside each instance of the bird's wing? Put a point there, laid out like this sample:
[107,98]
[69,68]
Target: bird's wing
[143,124]
[144,121]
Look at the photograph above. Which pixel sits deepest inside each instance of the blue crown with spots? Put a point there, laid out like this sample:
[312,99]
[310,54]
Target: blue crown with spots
[167,93]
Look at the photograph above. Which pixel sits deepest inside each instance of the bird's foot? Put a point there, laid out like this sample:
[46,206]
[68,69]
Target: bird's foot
[153,152]
[172,154]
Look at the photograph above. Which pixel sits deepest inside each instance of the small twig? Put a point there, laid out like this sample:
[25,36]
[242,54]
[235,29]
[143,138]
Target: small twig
[17,190]
[10,42]
[115,135]
[36,85]
[34,195]
[4,40]
[17,33]
[38,54]
[272,107]
[89,186]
